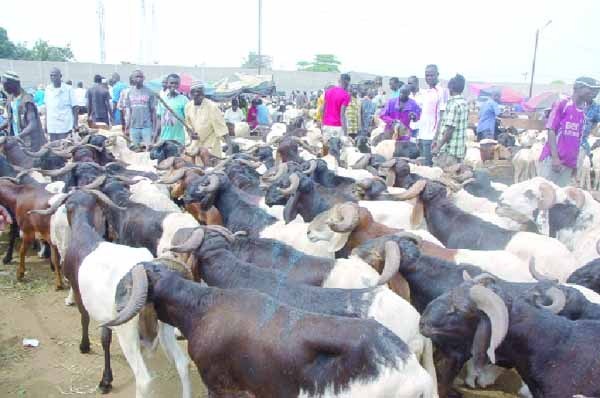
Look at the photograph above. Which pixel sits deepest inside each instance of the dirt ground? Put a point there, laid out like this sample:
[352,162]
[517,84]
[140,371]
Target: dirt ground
[33,309]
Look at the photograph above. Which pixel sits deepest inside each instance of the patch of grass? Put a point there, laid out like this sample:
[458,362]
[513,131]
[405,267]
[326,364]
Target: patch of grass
[21,392]
[32,285]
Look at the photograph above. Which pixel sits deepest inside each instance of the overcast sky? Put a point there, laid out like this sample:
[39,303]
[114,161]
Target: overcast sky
[484,40]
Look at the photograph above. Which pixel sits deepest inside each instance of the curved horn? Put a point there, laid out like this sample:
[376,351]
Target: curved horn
[213,184]
[548,196]
[63,154]
[97,183]
[103,198]
[166,164]
[559,300]
[250,163]
[576,195]
[125,180]
[389,163]
[59,172]
[137,299]
[413,191]
[52,209]
[192,243]
[538,276]
[365,183]
[349,214]
[362,162]
[173,178]
[226,233]
[96,147]
[494,307]
[393,257]
[37,154]
[312,166]
[294,184]
[410,235]
[11,179]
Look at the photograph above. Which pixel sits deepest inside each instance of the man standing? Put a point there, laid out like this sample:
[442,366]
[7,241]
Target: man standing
[81,99]
[334,109]
[98,102]
[23,119]
[395,85]
[234,114]
[402,110]
[592,118]
[367,110]
[488,112]
[565,129]
[61,108]
[262,113]
[415,94]
[170,127]
[205,118]
[141,108]
[452,146]
[433,101]
[117,87]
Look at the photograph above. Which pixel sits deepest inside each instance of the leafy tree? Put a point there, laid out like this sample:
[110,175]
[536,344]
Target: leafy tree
[321,63]
[41,50]
[253,61]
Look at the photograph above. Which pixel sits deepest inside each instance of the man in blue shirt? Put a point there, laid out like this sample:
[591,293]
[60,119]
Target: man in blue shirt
[592,117]
[489,111]
[117,87]
[262,114]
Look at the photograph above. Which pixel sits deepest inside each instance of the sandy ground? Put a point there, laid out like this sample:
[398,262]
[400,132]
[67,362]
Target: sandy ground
[33,309]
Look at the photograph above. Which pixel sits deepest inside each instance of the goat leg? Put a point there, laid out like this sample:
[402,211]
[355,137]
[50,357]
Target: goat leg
[447,368]
[84,346]
[106,383]
[14,232]
[54,262]
[27,240]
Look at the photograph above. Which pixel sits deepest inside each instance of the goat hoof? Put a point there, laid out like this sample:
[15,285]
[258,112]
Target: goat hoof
[105,387]
[84,348]
[59,287]
[20,277]
[6,260]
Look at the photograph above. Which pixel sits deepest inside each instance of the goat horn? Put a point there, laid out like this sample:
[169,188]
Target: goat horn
[97,183]
[63,154]
[226,233]
[125,180]
[559,300]
[312,166]
[294,184]
[389,163]
[173,178]
[38,154]
[410,235]
[137,298]
[365,183]
[250,163]
[548,196]
[193,242]
[537,275]
[103,198]
[494,307]
[213,184]
[53,208]
[59,172]
[166,164]
[576,195]
[350,215]
[413,191]
[96,147]
[362,162]
[393,257]
[11,179]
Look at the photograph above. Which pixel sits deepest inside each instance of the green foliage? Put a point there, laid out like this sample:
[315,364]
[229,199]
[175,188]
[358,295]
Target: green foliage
[41,50]
[253,61]
[558,83]
[321,63]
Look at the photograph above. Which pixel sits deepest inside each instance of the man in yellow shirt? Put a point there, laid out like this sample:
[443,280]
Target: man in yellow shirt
[206,120]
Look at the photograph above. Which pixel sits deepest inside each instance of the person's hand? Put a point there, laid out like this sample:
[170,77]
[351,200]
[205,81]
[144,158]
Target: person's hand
[556,164]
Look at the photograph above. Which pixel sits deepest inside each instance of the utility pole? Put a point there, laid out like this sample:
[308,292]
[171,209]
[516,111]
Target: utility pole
[102,36]
[259,36]
[537,38]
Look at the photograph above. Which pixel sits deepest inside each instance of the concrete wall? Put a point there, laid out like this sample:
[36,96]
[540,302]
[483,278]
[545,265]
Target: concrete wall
[35,72]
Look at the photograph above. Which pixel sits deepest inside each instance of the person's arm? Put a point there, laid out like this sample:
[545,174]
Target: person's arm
[343,118]
[448,129]
[553,149]
[32,120]
[74,108]
[153,117]
[107,103]
[220,128]
[386,114]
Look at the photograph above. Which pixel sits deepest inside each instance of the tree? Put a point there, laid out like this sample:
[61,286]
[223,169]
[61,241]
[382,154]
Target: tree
[252,61]
[41,50]
[321,63]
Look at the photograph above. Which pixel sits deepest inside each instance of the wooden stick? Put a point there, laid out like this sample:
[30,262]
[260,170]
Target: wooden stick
[175,115]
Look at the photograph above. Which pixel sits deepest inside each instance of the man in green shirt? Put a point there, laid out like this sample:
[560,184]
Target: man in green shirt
[170,127]
[452,146]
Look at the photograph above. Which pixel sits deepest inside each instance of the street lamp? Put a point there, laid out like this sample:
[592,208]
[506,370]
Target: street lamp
[537,37]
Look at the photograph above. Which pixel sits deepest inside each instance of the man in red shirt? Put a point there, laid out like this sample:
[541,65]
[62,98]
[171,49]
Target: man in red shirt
[334,109]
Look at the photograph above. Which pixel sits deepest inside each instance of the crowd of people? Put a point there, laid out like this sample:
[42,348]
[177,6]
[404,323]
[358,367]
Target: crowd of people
[434,117]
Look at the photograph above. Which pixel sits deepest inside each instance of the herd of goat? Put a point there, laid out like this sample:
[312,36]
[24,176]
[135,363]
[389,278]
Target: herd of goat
[301,268]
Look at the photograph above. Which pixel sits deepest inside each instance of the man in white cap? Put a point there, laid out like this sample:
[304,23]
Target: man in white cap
[23,119]
[61,107]
[207,121]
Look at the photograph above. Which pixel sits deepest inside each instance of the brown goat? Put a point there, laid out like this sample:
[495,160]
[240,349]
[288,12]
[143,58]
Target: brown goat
[20,199]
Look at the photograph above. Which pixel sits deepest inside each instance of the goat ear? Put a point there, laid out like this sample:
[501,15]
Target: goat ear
[481,342]
[338,241]
[290,211]
[416,217]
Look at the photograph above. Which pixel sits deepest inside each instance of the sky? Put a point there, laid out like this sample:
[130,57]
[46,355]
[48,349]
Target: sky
[483,40]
